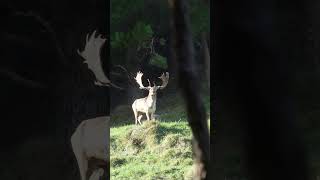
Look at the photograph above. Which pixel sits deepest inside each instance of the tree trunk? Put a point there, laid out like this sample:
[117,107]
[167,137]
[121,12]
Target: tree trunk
[188,79]
[206,55]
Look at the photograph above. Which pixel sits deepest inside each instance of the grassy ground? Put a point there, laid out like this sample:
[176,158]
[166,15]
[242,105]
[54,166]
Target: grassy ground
[158,149]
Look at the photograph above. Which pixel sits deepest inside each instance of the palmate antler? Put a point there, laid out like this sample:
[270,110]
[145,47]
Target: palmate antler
[138,78]
[91,54]
[165,80]
[163,77]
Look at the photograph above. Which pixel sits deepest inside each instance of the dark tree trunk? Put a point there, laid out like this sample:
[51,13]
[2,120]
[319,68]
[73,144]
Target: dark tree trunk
[184,56]
[206,56]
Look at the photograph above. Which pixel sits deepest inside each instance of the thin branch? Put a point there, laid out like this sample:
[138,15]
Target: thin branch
[21,80]
[129,75]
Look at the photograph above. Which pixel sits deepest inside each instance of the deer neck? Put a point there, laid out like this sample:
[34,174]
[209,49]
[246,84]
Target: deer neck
[152,99]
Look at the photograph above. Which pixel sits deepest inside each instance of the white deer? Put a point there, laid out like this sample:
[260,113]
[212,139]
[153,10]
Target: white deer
[90,139]
[147,104]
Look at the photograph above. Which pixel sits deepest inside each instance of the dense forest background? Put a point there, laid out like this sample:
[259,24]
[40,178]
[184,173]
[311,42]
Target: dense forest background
[140,41]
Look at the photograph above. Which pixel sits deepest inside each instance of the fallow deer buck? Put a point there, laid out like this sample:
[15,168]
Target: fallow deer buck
[148,104]
[91,138]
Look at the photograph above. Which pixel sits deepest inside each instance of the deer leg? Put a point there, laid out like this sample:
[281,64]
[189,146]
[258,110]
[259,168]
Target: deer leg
[136,117]
[82,163]
[148,117]
[152,116]
[139,118]
[78,152]
[96,174]
[83,168]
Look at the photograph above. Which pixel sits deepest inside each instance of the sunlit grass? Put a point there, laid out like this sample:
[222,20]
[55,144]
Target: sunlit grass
[158,149]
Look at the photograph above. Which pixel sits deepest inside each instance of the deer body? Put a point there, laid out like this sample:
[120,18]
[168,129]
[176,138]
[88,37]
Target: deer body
[90,141]
[148,104]
[145,105]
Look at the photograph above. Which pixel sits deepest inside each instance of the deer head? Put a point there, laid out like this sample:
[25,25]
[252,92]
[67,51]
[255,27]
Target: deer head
[91,54]
[153,89]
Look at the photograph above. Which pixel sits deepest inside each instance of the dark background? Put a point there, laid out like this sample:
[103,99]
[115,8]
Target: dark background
[266,77]
[46,90]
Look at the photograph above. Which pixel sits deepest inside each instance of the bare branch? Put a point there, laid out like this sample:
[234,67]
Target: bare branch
[21,80]
[206,54]
[152,46]
[129,75]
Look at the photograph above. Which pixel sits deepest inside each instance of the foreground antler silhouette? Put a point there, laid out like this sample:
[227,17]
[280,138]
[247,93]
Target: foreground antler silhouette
[91,54]
[90,140]
[147,104]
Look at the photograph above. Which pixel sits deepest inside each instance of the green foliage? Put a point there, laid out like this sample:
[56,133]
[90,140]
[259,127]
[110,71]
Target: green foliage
[162,41]
[159,61]
[124,13]
[119,40]
[123,9]
[137,36]
[141,32]
[135,23]
[200,17]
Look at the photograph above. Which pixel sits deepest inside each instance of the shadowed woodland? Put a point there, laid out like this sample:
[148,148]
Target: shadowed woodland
[267,84]
[46,89]
[140,39]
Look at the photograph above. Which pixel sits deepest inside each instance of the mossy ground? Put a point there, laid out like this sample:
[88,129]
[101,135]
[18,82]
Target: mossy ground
[159,149]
